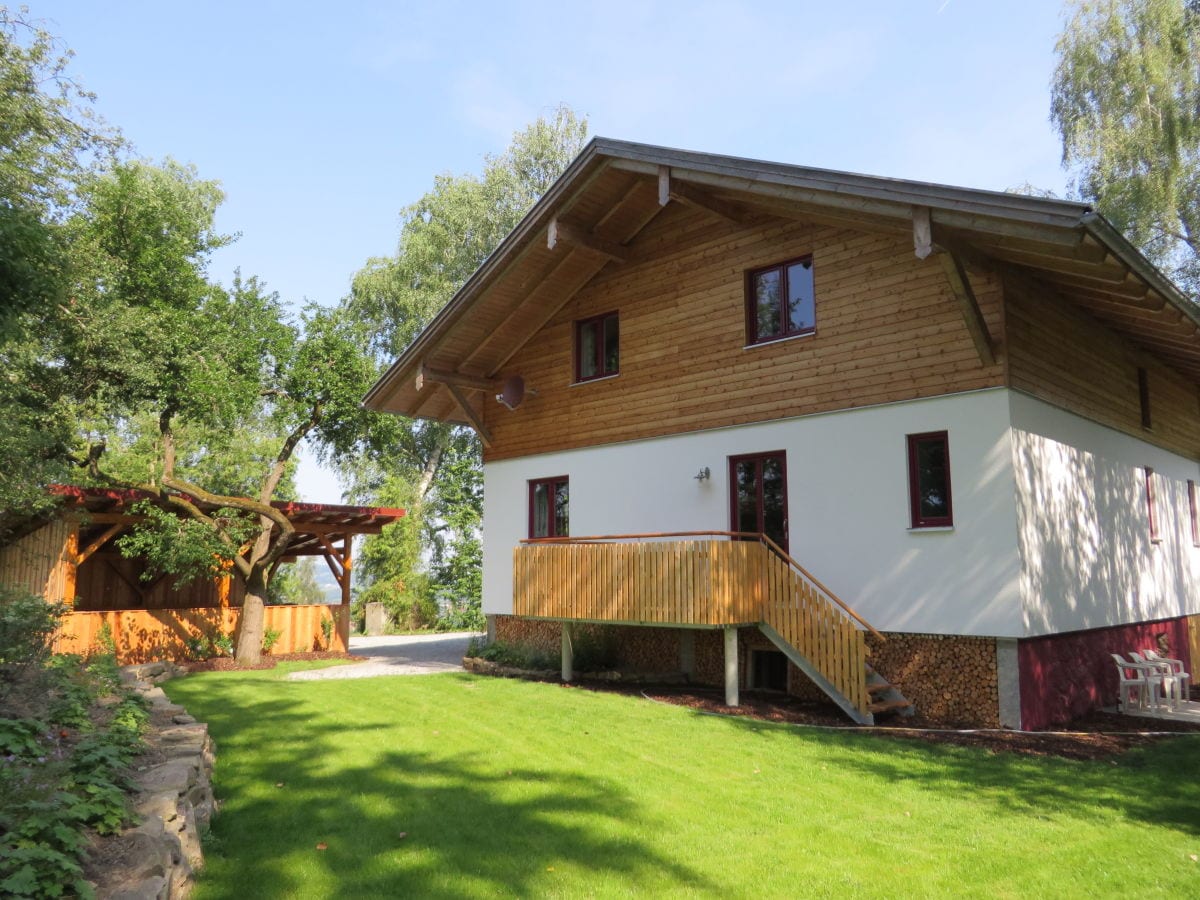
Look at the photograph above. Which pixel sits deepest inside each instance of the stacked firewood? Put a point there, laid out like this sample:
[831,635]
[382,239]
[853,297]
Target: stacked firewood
[950,678]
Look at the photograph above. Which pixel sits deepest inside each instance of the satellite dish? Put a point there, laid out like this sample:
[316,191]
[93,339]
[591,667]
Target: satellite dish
[513,393]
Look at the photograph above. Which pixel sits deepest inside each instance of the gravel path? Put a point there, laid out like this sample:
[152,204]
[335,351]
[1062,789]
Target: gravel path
[421,654]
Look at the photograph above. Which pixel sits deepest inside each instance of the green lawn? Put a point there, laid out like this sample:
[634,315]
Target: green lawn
[518,789]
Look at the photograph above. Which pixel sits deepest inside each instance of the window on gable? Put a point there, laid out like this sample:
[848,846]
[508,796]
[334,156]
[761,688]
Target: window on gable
[1195,519]
[780,301]
[597,347]
[1152,505]
[929,480]
[548,508]
[1144,397]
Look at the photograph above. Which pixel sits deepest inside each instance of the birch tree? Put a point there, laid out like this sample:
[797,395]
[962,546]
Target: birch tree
[1126,102]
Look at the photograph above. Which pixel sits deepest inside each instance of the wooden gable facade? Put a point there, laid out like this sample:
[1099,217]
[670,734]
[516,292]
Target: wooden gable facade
[921,290]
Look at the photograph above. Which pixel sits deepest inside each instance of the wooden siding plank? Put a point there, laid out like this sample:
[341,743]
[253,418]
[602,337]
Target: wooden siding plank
[888,329]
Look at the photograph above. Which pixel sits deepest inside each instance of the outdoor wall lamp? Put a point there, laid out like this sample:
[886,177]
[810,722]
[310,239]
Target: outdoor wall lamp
[703,474]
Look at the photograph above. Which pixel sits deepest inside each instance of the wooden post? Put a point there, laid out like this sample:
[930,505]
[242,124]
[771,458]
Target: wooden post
[568,653]
[70,564]
[343,624]
[731,666]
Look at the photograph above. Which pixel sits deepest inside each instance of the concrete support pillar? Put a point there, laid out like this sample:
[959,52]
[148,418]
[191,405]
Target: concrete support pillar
[568,653]
[731,666]
[1008,683]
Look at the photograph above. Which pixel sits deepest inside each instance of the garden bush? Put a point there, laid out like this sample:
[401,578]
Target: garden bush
[27,625]
[63,770]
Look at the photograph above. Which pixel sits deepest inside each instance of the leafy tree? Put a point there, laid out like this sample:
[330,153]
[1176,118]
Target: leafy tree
[173,362]
[430,468]
[49,142]
[124,362]
[1126,101]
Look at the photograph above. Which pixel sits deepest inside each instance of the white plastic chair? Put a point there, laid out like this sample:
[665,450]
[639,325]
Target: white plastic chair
[1174,668]
[1138,683]
[1160,678]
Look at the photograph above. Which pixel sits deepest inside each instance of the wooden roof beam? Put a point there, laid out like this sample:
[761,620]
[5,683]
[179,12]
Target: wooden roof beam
[458,379]
[922,221]
[671,188]
[82,556]
[570,233]
[960,285]
[473,416]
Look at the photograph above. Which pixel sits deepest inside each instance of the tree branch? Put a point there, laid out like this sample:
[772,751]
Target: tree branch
[285,452]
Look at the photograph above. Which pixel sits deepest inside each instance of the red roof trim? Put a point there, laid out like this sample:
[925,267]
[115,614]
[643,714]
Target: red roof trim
[297,512]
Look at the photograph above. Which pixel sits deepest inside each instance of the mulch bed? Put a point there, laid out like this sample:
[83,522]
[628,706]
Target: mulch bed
[1097,736]
[229,664]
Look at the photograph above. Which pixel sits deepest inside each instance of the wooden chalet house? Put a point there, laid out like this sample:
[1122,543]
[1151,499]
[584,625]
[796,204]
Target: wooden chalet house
[758,406]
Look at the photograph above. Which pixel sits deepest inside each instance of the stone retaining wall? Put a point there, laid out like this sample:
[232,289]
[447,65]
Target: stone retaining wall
[156,859]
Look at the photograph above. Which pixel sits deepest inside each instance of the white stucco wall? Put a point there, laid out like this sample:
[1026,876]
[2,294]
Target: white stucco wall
[847,501]
[1087,557]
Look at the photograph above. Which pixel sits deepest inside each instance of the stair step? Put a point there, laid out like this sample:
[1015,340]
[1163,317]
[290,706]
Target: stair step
[879,686]
[889,705]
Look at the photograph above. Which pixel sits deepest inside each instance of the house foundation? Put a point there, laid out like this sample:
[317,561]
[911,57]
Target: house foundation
[976,682]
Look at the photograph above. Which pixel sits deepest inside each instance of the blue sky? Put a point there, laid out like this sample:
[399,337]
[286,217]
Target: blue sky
[322,121]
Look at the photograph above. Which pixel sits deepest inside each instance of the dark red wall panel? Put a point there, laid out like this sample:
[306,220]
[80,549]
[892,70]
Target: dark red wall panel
[1064,676]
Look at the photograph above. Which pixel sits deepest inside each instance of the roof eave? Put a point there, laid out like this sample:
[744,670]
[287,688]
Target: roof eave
[1102,230]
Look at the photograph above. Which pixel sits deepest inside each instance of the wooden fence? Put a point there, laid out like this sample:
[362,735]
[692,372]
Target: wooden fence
[620,579]
[156,634]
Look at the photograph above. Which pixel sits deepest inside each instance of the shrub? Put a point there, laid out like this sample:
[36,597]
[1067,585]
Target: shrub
[27,624]
[221,644]
[50,791]
[457,614]
[73,691]
[270,638]
[595,650]
[197,646]
[520,656]
[327,631]
[408,603]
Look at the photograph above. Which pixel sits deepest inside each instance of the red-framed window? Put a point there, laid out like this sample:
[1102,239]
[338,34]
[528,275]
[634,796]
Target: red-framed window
[1152,505]
[929,496]
[597,347]
[549,507]
[780,301]
[1195,519]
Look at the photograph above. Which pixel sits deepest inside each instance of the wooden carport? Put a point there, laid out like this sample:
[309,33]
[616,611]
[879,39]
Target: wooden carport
[73,558]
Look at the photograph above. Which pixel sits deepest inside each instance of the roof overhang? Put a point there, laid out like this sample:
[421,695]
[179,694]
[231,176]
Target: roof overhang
[591,217]
[316,524]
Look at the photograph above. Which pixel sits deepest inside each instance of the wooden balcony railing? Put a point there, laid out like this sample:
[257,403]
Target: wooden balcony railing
[697,578]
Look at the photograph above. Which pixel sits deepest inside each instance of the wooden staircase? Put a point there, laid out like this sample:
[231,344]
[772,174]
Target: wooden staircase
[744,580]
[825,640]
[887,697]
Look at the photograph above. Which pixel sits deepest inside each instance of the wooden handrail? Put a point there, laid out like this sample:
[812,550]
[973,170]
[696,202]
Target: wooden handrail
[832,596]
[749,535]
[598,538]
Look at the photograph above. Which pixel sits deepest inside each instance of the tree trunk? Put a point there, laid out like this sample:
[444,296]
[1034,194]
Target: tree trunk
[249,645]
